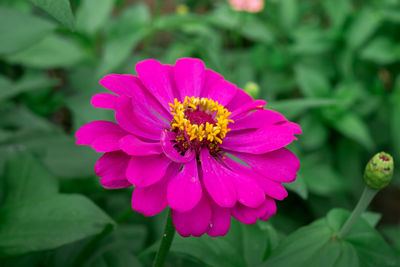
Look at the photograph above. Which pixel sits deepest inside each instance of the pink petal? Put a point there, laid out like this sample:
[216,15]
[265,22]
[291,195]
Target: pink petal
[111,168]
[104,100]
[147,170]
[271,209]
[184,191]
[248,215]
[189,74]
[144,101]
[293,126]
[257,119]
[271,188]
[195,222]
[222,91]
[240,99]
[134,146]
[116,84]
[128,119]
[218,180]
[103,136]
[170,151]
[220,221]
[261,141]
[129,85]
[249,193]
[280,165]
[153,199]
[211,77]
[89,132]
[156,80]
[108,142]
[246,108]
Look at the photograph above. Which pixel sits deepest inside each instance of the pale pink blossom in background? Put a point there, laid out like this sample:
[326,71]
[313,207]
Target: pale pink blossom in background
[252,6]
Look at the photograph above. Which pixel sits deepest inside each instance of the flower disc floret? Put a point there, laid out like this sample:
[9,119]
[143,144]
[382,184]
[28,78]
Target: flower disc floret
[203,121]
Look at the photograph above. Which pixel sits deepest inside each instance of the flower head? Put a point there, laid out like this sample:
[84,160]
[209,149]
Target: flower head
[379,171]
[177,134]
[252,6]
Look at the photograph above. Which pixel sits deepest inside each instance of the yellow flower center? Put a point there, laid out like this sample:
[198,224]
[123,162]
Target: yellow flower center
[202,119]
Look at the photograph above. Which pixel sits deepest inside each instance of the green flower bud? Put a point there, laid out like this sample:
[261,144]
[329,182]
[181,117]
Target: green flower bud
[379,171]
[252,89]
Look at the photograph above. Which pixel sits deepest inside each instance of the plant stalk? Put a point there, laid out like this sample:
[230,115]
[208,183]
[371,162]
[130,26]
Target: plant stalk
[166,242]
[365,199]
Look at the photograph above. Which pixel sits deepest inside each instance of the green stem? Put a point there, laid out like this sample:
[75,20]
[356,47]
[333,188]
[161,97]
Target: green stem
[366,198]
[166,242]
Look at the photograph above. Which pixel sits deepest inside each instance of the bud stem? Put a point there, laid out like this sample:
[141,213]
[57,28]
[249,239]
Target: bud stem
[365,199]
[166,242]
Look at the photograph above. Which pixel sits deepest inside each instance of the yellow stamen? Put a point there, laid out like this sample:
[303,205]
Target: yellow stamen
[211,132]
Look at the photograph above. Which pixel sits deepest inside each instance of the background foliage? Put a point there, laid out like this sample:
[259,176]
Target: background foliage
[331,65]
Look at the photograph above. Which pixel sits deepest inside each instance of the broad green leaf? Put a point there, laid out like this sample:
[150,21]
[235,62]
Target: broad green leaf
[372,218]
[59,9]
[117,258]
[320,178]
[124,34]
[19,30]
[315,133]
[244,245]
[48,222]
[363,26]
[311,41]
[298,186]
[289,13]
[351,125]
[93,14]
[294,107]
[317,244]
[337,10]
[28,82]
[25,178]
[257,31]
[51,52]
[312,83]
[382,51]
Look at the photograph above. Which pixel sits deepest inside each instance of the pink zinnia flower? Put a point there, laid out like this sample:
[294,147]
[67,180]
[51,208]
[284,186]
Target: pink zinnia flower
[252,6]
[176,126]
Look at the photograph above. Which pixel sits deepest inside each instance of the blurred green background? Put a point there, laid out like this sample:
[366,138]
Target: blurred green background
[331,65]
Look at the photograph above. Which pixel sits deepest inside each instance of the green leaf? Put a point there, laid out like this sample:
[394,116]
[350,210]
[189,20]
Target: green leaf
[320,178]
[28,82]
[337,10]
[289,12]
[93,14]
[294,107]
[35,217]
[22,174]
[298,186]
[255,30]
[372,218]
[59,9]
[48,222]
[19,30]
[317,244]
[124,34]
[315,133]
[117,258]
[244,245]
[351,125]
[312,83]
[51,52]
[362,27]
[382,51]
